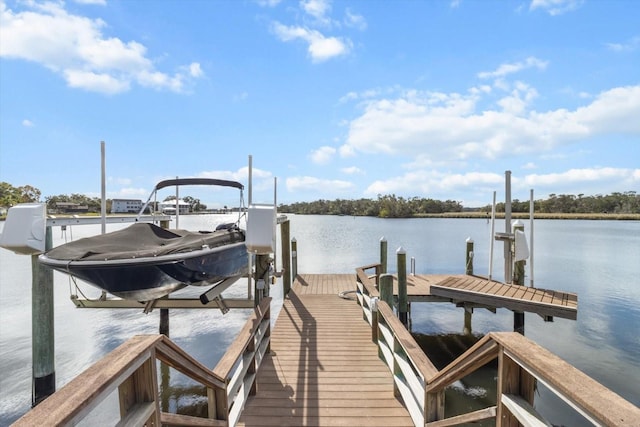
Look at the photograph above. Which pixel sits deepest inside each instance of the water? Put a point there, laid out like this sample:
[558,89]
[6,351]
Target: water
[599,260]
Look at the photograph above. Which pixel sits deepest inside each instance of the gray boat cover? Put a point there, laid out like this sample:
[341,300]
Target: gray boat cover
[143,240]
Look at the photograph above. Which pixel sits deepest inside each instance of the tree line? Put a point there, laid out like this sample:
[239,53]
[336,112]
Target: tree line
[392,206]
[10,195]
[385,206]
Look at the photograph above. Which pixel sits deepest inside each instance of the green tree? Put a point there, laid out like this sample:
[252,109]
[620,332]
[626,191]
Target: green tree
[10,195]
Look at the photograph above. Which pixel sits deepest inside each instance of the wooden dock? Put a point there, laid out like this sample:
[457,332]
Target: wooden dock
[323,368]
[337,356]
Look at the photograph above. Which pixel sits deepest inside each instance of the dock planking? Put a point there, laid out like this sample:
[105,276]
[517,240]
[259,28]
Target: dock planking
[323,368]
[479,290]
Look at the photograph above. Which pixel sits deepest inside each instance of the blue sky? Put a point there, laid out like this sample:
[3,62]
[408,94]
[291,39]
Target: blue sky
[335,99]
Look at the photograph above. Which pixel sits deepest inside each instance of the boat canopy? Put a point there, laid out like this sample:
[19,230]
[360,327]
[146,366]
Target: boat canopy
[190,181]
[142,240]
[198,181]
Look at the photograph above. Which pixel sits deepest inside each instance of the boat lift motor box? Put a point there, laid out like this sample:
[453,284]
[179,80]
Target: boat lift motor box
[261,229]
[25,229]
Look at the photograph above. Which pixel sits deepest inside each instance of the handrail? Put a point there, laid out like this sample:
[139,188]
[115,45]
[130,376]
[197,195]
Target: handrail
[521,363]
[131,369]
[242,360]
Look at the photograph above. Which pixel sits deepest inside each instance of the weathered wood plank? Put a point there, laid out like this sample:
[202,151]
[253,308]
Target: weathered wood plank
[471,417]
[323,368]
[168,419]
[92,385]
[581,390]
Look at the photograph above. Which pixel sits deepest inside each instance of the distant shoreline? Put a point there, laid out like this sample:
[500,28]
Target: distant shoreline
[538,215]
[474,215]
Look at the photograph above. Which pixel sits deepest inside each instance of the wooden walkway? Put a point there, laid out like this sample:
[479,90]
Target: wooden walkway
[481,291]
[323,368]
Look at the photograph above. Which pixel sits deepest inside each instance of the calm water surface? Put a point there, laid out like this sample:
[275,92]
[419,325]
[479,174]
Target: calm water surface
[598,260]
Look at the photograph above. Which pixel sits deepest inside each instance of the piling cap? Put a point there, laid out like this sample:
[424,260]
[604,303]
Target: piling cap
[383,239]
[401,251]
[469,240]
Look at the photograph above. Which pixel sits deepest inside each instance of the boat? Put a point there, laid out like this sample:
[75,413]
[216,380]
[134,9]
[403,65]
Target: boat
[144,262]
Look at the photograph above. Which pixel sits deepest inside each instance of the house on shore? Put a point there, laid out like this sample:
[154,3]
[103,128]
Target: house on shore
[126,206]
[168,207]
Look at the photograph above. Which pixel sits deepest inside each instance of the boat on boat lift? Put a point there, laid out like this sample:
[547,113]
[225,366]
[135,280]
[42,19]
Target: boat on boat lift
[144,261]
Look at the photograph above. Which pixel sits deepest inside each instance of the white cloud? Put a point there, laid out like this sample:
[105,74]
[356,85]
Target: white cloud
[96,2]
[132,192]
[629,46]
[323,155]
[240,97]
[320,48]
[352,170]
[452,127]
[75,47]
[195,70]
[586,181]
[432,183]
[269,3]
[510,68]
[119,181]
[318,185]
[27,123]
[353,20]
[556,7]
[317,9]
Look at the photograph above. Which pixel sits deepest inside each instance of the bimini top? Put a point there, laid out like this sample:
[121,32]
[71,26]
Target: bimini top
[190,181]
[198,181]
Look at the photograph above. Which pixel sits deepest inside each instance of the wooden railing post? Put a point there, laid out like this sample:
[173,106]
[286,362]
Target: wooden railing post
[512,380]
[403,304]
[434,406]
[138,396]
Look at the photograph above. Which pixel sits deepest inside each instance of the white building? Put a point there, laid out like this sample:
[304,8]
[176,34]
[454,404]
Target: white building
[168,207]
[126,205]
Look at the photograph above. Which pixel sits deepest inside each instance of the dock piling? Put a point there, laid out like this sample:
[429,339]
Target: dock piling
[386,288]
[469,257]
[383,255]
[286,257]
[518,279]
[42,328]
[294,258]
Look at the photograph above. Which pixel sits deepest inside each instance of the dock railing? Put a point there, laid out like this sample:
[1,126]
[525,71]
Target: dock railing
[521,364]
[132,370]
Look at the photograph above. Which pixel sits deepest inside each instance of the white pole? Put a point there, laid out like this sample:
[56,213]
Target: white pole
[250,195]
[491,237]
[508,258]
[103,188]
[249,185]
[531,210]
[177,205]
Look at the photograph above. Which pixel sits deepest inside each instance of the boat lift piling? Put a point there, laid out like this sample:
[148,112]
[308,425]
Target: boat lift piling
[42,328]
